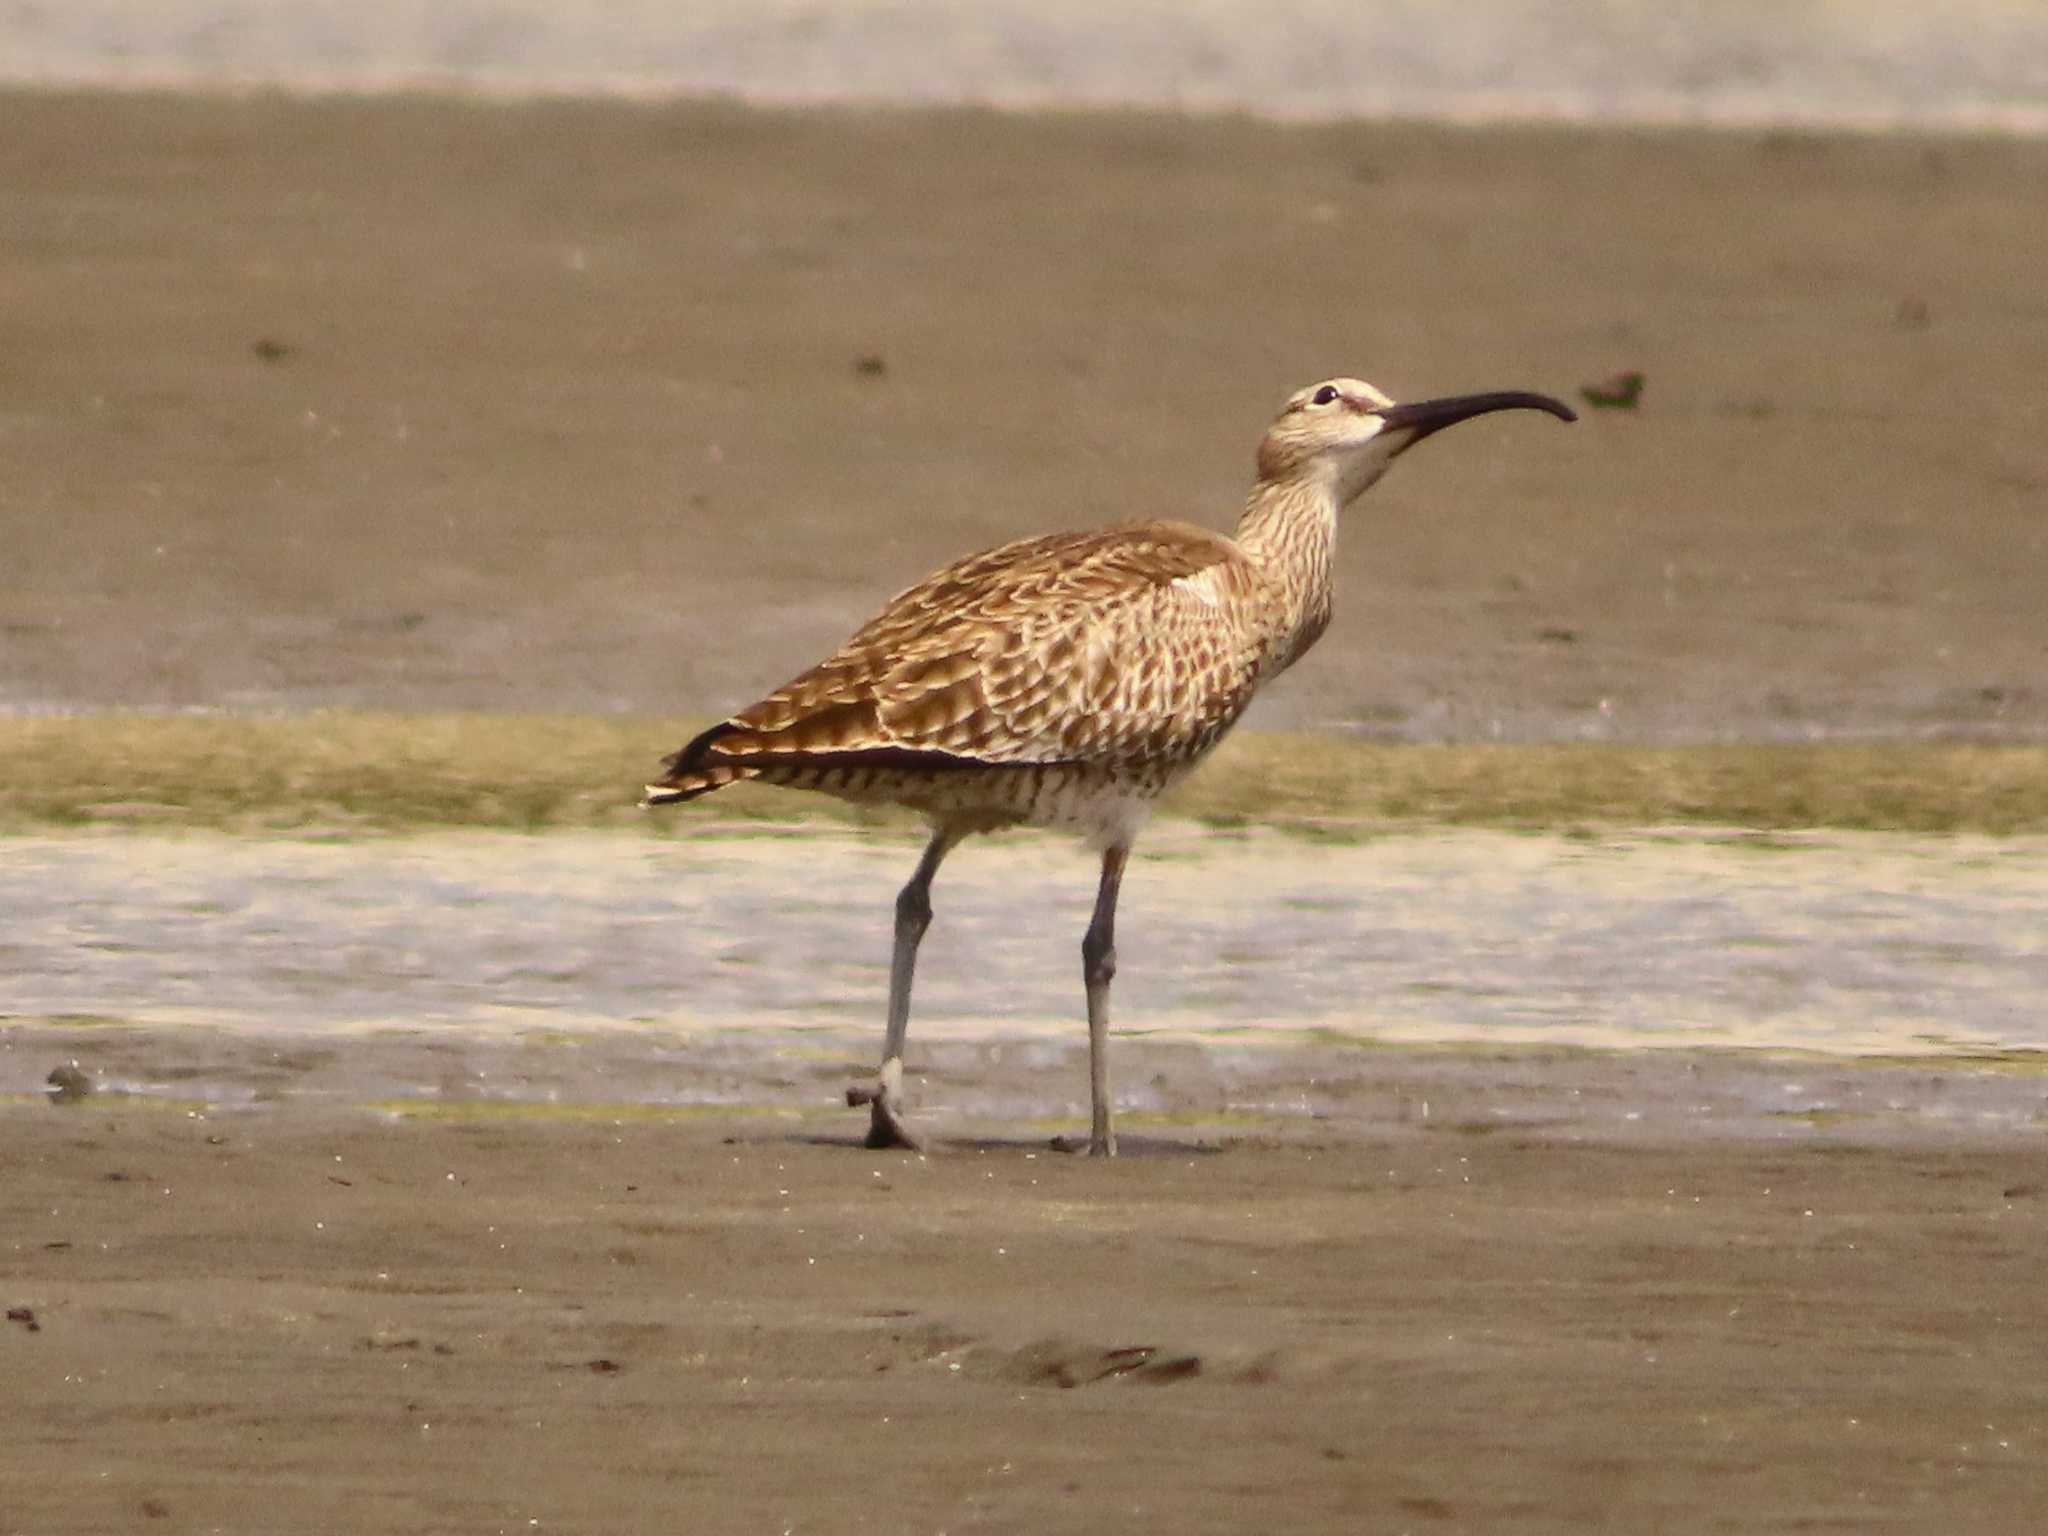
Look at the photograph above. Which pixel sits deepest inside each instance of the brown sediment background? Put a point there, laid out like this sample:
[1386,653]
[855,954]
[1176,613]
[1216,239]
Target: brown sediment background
[1511,1180]
[439,405]
[231,1322]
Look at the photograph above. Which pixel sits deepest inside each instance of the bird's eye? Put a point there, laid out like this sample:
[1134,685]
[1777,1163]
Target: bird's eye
[1324,395]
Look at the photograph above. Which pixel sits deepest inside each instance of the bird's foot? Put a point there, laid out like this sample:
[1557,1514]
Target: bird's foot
[886,1126]
[1101,1137]
[1097,1146]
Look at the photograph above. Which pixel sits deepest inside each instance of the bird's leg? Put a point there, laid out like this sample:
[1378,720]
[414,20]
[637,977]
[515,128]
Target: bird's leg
[913,916]
[1098,965]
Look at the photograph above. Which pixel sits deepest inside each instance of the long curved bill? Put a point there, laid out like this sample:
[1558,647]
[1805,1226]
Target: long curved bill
[1423,417]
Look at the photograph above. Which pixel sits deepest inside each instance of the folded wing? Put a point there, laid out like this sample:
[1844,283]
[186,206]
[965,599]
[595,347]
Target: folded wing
[1101,647]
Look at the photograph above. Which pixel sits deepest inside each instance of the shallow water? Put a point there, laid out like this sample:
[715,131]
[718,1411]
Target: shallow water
[1844,944]
[1263,979]
[1973,63]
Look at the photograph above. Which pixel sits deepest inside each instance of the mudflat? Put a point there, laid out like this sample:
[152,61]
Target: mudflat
[346,1323]
[419,405]
[427,404]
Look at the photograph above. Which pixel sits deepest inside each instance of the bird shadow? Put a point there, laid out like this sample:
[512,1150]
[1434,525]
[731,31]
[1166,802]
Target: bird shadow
[1069,1146]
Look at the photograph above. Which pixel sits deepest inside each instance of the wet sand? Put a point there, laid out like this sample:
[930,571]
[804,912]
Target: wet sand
[342,1323]
[379,1236]
[580,406]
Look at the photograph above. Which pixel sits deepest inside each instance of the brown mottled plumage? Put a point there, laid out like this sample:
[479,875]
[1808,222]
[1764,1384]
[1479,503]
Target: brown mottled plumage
[1068,681]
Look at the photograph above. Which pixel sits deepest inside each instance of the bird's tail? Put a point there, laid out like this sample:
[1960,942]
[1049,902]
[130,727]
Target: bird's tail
[693,771]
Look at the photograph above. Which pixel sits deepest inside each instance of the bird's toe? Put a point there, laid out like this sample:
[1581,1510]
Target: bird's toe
[886,1127]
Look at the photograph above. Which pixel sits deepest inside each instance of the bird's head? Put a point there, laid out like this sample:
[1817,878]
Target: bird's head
[1345,433]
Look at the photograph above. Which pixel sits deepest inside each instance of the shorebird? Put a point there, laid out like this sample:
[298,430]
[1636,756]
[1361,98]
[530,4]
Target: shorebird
[1069,681]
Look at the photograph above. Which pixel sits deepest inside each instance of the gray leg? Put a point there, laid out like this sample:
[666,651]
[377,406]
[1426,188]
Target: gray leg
[1098,966]
[913,916]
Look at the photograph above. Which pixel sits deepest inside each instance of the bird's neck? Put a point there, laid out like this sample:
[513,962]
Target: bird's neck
[1289,533]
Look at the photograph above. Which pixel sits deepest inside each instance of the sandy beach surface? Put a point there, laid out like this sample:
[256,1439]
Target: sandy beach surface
[249,1323]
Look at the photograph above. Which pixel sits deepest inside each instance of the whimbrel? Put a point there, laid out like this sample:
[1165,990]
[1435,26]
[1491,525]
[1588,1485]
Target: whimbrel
[1069,681]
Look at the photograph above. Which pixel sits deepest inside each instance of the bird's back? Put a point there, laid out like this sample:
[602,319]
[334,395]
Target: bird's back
[1029,680]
